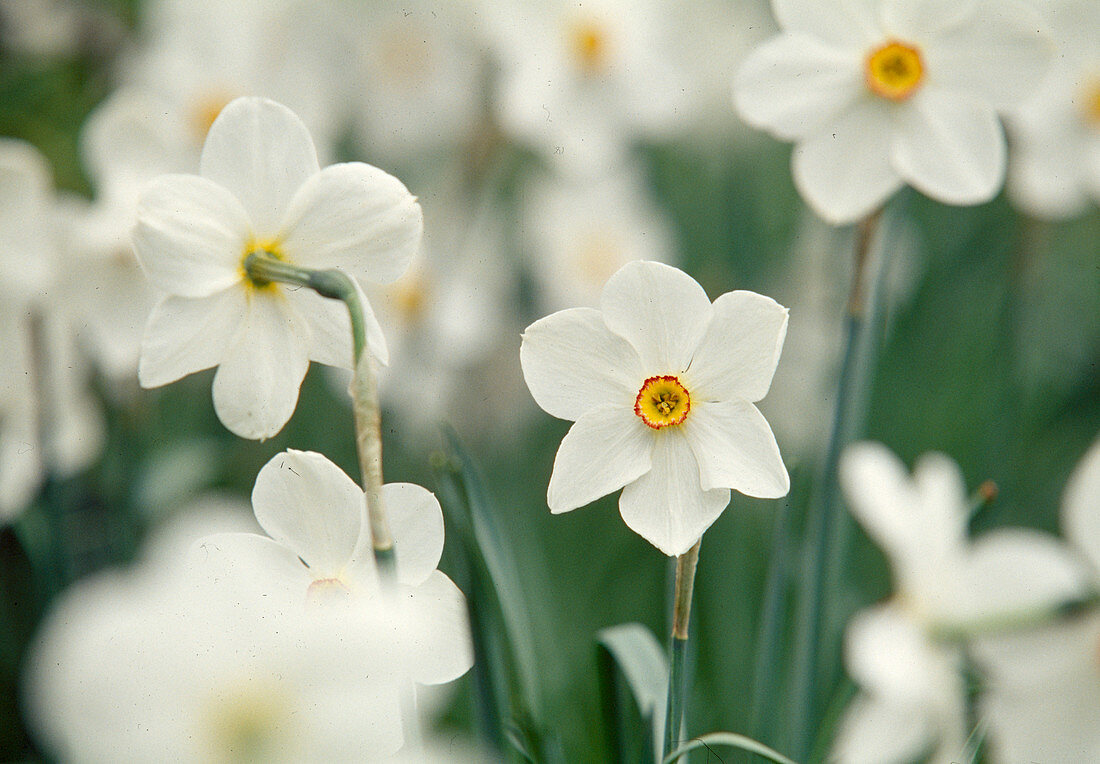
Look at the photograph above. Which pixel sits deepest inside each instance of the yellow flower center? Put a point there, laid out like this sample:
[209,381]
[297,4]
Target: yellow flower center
[662,402]
[895,71]
[1090,103]
[327,590]
[204,109]
[248,721]
[597,256]
[268,246]
[588,42]
[409,297]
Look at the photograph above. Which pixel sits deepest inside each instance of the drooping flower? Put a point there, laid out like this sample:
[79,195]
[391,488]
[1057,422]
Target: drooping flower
[912,697]
[882,93]
[261,189]
[660,385]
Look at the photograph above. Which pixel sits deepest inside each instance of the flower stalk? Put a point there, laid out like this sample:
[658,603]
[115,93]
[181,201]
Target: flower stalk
[681,616]
[263,268]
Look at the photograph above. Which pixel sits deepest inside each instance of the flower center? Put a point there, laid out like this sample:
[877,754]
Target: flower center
[895,71]
[327,591]
[409,296]
[248,721]
[1090,103]
[598,255]
[271,249]
[589,45]
[662,402]
[204,109]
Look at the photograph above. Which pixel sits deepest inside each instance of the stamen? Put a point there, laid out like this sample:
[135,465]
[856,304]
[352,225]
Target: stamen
[662,402]
[589,44]
[895,71]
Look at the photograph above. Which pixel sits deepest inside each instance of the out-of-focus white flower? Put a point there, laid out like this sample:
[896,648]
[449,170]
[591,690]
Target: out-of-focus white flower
[1042,686]
[48,419]
[1054,167]
[153,664]
[660,384]
[198,57]
[913,696]
[881,93]
[579,232]
[261,189]
[581,82]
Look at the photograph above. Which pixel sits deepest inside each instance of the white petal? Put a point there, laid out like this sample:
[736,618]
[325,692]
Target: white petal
[248,567]
[607,448]
[998,56]
[307,503]
[950,147]
[354,217]
[660,310]
[439,631]
[667,506]
[794,85]
[330,328]
[874,731]
[262,153]
[1012,571]
[416,522]
[1081,505]
[919,20]
[842,22]
[572,363]
[736,449]
[943,500]
[186,335]
[256,387]
[739,353]
[844,172]
[190,235]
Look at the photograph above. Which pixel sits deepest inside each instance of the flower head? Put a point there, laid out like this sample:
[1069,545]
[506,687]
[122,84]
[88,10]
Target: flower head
[884,93]
[261,189]
[660,384]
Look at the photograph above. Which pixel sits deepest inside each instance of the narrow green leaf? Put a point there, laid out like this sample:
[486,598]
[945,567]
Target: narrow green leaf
[630,652]
[732,740]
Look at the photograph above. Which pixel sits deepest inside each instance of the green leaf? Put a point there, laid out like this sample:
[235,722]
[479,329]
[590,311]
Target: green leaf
[732,740]
[634,690]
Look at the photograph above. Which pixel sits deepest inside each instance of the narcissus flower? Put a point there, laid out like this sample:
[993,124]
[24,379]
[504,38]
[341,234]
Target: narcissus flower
[660,384]
[882,93]
[261,189]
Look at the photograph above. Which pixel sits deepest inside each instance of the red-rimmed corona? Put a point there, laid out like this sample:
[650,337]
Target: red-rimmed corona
[662,402]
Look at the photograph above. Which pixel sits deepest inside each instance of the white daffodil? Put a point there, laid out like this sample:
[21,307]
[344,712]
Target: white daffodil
[1054,167]
[912,693]
[318,552]
[880,93]
[1042,686]
[580,231]
[261,189]
[660,384]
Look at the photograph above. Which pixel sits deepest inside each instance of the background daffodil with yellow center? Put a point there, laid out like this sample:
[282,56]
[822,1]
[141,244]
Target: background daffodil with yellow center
[660,384]
[882,93]
[261,186]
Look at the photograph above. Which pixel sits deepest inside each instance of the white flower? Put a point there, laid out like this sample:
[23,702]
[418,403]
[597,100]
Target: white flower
[581,230]
[318,552]
[913,696]
[880,93]
[1054,168]
[260,188]
[1042,687]
[660,384]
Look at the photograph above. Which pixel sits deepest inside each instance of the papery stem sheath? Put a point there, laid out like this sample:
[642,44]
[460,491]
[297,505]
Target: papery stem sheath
[337,285]
[681,616]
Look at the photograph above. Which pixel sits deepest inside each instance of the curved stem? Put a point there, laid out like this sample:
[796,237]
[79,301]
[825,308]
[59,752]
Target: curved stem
[681,616]
[263,269]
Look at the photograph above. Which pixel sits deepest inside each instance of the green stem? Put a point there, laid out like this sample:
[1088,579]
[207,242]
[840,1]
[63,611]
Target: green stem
[263,268]
[825,511]
[681,616]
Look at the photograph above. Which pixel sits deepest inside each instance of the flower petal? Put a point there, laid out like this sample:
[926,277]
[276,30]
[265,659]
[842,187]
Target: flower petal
[572,363]
[248,567]
[186,335]
[1081,506]
[438,631]
[667,506]
[738,354]
[794,85]
[416,521]
[354,217]
[190,235]
[307,503]
[735,448]
[330,328]
[873,731]
[844,173]
[262,152]
[607,448]
[998,56]
[950,147]
[660,310]
[256,387]
[920,20]
[843,22]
